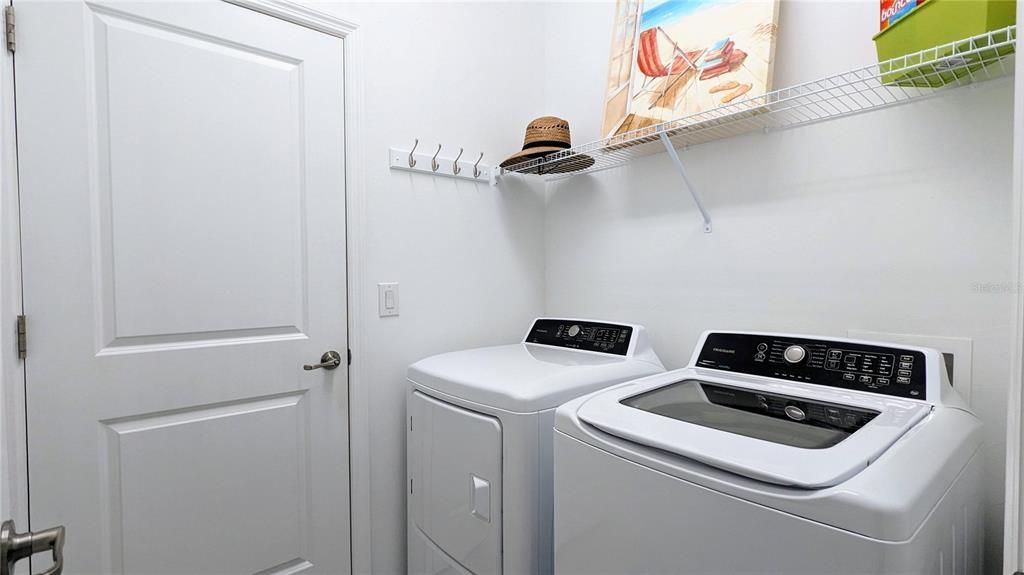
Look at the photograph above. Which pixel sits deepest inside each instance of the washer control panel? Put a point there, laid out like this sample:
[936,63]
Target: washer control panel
[835,363]
[587,335]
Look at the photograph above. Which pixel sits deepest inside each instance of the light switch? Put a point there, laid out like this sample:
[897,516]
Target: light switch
[387,299]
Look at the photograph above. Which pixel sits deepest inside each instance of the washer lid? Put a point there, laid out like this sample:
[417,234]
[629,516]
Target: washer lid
[778,433]
[525,377]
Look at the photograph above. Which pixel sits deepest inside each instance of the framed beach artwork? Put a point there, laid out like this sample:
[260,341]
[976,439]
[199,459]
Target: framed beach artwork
[673,58]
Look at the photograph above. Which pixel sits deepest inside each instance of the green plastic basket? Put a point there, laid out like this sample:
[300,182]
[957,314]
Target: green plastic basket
[945,41]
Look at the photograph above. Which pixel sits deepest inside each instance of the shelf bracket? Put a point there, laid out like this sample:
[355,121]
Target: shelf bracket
[671,150]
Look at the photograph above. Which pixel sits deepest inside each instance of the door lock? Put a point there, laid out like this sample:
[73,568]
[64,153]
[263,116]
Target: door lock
[16,546]
[329,360]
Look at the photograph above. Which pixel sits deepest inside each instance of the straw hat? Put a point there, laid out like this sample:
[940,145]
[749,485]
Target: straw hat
[547,135]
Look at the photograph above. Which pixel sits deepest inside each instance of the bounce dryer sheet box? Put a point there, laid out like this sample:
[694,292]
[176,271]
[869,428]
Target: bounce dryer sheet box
[960,36]
[893,10]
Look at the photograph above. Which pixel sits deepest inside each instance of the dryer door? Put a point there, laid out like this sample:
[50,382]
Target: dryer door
[455,468]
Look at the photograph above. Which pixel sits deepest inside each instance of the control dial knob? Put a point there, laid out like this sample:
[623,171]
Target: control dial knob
[794,412]
[794,354]
[574,330]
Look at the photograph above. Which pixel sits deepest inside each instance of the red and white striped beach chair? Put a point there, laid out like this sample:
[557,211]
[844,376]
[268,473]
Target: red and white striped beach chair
[651,66]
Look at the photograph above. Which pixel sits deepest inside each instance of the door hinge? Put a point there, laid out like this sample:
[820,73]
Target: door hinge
[9,27]
[22,338]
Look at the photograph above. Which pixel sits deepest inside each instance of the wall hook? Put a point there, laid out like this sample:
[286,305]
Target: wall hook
[433,161]
[455,165]
[476,171]
[412,161]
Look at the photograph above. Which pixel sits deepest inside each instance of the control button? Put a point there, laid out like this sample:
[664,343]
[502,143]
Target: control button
[906,365]
[832,412]
[906,358]
[865,379]
[903,380]
[849,376]
[759,357]
[794,354]
[882,381]
[574,330]
[762,347]
[762,401]
[905,372]
[832,364]
[835,353]
[851,359]
[795,413]
[850,420]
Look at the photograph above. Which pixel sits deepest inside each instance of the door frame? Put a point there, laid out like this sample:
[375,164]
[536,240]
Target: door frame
[1013,546]
[13,426]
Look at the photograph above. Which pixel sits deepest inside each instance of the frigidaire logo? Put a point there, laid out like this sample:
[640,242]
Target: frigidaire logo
[720,350]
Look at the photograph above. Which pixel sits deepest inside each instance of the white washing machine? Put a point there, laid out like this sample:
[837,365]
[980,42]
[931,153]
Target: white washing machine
[479,442]
[772,454]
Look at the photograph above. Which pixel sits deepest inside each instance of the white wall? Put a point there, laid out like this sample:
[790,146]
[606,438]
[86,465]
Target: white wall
[469,257]
[883,222]
[886,222]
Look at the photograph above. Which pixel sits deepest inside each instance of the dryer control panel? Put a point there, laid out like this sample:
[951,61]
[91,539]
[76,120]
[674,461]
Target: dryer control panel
[586,335]
[835,363]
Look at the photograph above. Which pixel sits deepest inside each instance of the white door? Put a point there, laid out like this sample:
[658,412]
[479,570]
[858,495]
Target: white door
[183,217]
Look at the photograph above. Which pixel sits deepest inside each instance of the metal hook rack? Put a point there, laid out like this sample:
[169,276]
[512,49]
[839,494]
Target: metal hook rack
[436,165]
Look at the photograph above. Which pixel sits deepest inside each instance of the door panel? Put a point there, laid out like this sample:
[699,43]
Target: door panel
[153,463]
[251,260]
[182,183]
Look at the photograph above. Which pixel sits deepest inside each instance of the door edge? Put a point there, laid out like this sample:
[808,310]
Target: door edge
[14,488]
[360,517]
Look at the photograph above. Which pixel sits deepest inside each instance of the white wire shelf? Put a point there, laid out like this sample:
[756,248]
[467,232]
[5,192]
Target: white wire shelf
[898,81]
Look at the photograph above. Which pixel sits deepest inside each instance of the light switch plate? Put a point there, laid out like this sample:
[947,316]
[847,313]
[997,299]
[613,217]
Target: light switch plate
[387,299]
[955,350]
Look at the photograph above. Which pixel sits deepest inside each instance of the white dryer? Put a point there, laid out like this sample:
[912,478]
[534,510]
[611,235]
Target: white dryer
[480,440]
[772,454]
